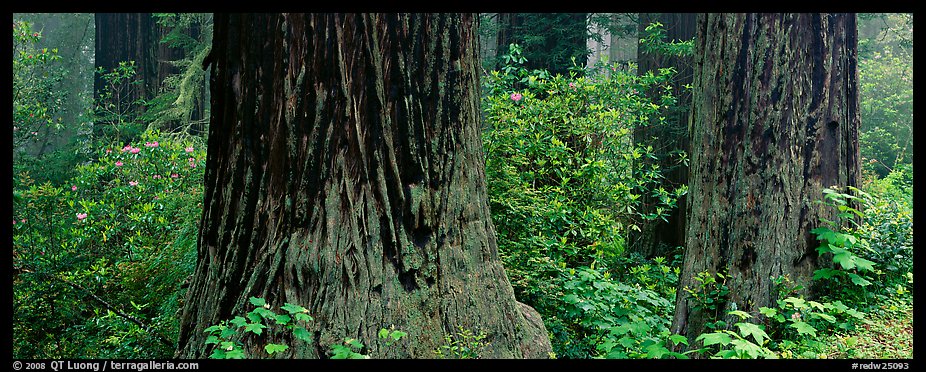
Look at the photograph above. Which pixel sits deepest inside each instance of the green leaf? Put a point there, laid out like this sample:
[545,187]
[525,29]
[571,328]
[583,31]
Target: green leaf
[858,280]
[228,332]
[768,311]
[825,273]
[741,314]
[383,333]
[303,334]
[816,305]
[235,354]
[845,259]
[714,338]
[864,265]
[259,302]
[798,303]
[214,329]
[676,339]
[255,328]
[212,340]
[217,354]
[826,317]
[275,348]
[293,309]
[283,319]
[396,335]
[804,329]
[747,329]
[238,321]
[303,317]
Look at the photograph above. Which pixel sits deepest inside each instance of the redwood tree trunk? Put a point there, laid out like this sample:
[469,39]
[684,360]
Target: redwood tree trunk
[658,238]
[122,37]
[345,174]
[776,117]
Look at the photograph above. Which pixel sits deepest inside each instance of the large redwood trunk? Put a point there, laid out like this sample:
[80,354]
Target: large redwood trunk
[776,118]
[345,174]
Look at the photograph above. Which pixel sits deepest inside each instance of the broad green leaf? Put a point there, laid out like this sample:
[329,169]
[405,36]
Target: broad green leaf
[264,313]
[826,317]
[235,354]
[396,335]
[816,305]
[217,354]
[283,319]
[749,348]
[228,332]
[741,314]
[303,317]
[864,265]
[858,280]
[825,273]
[798,303]
[292,309]
[656,351]
[275,348]
[627,342]
[259,302]
[214,328]
[844,259]
[383,333]
[747,329]
[238,321]
[676,339]
[303,334]
[255,328]
[768,311]
[714,338]
[212,340]
[804,329]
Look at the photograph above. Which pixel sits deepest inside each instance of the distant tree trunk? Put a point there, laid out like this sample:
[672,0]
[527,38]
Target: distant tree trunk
[549,40]
[345,174]
[657,238]
[776,118]
[122,37]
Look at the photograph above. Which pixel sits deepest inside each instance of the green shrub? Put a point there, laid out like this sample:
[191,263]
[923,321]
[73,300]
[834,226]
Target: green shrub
[113,244]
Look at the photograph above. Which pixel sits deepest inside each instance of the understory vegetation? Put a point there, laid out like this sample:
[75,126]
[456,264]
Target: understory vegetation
[105,225]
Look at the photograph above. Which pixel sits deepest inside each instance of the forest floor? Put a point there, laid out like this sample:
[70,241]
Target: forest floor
[888,335]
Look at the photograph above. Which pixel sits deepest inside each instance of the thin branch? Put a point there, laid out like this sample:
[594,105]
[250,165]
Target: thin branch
[145,327]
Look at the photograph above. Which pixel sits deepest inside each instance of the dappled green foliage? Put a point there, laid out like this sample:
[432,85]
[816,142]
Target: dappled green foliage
[113,244]
[565,178]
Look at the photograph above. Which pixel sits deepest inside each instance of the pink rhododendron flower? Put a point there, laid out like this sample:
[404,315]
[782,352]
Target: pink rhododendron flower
[81,216]
[14,222]
[516,97]
[118,163]
[174,175]
[189,149]
[135,150]
[108,151]
[73,188]
[126,148]
[572,85]
[133,183]
[192,165]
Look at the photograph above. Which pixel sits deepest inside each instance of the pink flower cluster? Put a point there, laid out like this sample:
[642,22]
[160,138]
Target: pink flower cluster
[133,183]
[192,162]
[118,163]
[516,97]
[81,216]
[151,144]
[131,149]
[74,188]
[189,149]
[174,175]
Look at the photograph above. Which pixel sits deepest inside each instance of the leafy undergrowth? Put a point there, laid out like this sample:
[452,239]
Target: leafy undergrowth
[888,335]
